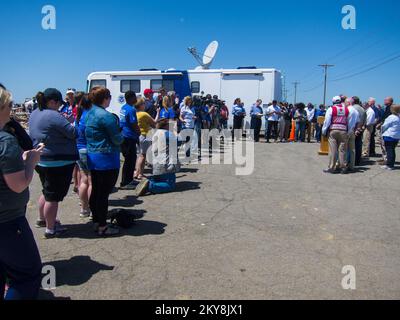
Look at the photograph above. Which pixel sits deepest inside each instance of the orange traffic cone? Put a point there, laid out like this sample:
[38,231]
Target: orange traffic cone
[293,132]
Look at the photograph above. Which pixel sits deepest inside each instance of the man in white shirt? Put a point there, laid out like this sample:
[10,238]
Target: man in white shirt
[355,119]
[369,128]
[273,113]
[310,121]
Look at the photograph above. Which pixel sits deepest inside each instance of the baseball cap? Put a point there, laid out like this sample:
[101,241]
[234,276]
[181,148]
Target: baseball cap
[71,91]
[148,92]
[53,94]
[337,99]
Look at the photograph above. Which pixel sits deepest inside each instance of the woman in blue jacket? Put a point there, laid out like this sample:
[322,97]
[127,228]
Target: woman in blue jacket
[103,139]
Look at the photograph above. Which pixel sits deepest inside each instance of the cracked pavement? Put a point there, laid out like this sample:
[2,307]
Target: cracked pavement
[284,232]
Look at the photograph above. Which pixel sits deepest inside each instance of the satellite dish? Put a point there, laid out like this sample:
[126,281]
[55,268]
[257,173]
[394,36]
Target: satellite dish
[210,53]
[208,56]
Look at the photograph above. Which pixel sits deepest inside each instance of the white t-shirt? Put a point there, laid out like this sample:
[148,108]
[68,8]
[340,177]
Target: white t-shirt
[187,115]
[273,117]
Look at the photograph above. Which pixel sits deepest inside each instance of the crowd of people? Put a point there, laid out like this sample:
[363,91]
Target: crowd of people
[76,140]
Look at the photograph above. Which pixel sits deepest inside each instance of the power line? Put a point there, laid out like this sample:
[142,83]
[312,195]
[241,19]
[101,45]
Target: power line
[314,88]
[367,65]
[367,70]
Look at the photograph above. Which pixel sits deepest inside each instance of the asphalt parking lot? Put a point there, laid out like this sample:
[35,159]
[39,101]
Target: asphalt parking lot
[284,232]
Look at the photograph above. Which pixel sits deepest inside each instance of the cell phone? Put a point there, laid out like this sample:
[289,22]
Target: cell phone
[43,142]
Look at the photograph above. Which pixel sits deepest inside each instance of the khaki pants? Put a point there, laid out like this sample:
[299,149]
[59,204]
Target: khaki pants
[338,143]
[352,150]
[382,144]
[309,131]
[367,141]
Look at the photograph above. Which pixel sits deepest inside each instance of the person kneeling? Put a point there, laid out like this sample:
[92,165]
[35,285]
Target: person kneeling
[165,162]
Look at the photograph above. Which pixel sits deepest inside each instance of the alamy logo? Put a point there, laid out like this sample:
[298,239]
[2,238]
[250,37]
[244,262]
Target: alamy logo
[49,278]
[349,280]
[349,20]
[49,21]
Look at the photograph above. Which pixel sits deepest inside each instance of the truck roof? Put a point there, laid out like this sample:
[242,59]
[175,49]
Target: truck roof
[180,72]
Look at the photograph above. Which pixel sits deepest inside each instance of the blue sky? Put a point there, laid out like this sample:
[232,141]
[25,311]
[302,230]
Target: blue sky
[293,36]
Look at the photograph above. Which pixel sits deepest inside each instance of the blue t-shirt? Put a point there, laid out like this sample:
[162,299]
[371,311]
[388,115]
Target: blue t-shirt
[128,118]
[205,113]
[81,127]
[167,114]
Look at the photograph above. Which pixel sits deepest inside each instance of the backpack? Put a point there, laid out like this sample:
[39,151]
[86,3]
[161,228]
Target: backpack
[124,218]
[224,114]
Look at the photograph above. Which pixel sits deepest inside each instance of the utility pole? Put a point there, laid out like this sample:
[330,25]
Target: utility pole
[295,91]
[326,66]
[284,90]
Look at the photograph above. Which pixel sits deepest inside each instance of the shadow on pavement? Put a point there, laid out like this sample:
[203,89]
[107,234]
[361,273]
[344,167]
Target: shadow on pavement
[140,228]
[73,272]
[127,202]
[188,170]
[145,227]
[182,186]
[361,169]
[48,295]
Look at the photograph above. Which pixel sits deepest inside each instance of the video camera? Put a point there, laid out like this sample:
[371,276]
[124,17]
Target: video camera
[208,100]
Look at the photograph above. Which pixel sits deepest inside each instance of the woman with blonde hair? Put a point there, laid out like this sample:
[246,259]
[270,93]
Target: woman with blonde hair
[146,123]
[166,111]
[20,261]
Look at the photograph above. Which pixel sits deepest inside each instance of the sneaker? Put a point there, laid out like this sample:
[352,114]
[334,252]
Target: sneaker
[331,171]
[52,235]
[131,186]
[142,187]
[344,171]
[387,168]
[85,214]
[40,223]
[59,227]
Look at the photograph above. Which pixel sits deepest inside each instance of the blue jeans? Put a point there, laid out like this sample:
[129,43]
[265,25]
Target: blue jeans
[224,124]
[301,131]
[20,262]
[318,132]
[163,184]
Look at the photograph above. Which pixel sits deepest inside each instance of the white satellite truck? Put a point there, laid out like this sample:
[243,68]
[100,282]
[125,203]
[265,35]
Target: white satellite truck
[246,83]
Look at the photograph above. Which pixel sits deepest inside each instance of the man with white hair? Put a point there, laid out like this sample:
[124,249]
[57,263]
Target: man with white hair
[388,102]
[339,123]
[369,128]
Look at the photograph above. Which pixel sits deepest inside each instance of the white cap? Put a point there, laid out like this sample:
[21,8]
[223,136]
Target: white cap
[337,99]
[71,91]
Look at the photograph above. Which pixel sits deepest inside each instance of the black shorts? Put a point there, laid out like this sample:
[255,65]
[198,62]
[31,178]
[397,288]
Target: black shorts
[55,182]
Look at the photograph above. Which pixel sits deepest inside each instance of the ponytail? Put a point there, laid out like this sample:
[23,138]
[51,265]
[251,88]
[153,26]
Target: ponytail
[41,101]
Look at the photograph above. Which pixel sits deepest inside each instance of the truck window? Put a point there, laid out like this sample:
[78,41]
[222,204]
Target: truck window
[130,85]
[195,86]
[168,85]
[97,83]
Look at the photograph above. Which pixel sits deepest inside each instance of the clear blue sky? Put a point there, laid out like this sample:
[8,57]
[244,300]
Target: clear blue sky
[293,36]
